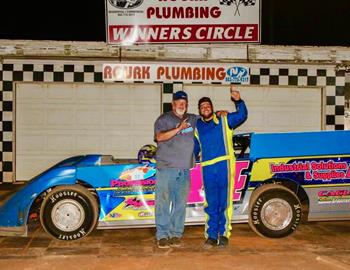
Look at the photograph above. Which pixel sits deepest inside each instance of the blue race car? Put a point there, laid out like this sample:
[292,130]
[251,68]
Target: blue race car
[279,177]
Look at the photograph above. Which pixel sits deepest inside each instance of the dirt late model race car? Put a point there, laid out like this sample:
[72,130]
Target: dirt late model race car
[279,177]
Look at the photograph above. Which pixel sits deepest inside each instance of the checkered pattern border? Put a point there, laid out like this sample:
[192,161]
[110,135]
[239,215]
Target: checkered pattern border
[332,81]
[11,73]
[237,2]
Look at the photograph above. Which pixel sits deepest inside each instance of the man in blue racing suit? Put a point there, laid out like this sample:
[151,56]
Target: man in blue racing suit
[213,142]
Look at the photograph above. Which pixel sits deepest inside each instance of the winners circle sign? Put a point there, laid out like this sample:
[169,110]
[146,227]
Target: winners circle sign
[182,21]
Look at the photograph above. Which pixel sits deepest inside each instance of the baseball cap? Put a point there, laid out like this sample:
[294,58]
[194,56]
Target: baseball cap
[180,95]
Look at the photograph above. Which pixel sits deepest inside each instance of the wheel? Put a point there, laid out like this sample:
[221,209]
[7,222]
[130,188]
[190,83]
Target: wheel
[69,212]
[274,211]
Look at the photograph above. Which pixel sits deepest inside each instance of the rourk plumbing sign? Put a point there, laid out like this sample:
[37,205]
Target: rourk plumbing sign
[204,73]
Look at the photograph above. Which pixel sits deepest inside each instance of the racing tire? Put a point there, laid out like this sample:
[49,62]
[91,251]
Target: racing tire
[274,211]
[69,212]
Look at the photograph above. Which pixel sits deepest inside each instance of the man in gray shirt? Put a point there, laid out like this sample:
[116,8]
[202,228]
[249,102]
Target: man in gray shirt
[173,133]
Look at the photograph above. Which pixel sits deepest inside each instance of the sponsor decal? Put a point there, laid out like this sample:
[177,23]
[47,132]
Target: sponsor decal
[138,173]
[323,170]
[334,196]
[139,203]
[115,215]
[145,214]
[118,183]
[205,73]
[237,75]
[134,181]
[122,188]
[125,4]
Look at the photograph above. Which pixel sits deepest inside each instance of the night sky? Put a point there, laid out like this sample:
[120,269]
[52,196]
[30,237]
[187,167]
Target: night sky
[284,22]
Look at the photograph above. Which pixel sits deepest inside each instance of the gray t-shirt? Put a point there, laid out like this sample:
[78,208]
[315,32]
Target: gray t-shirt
[178,151]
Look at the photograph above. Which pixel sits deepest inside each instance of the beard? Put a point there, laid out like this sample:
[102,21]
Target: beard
[180,112]
[208,116]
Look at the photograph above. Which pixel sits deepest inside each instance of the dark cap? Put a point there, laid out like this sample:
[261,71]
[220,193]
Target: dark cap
[205,99]
[180,95]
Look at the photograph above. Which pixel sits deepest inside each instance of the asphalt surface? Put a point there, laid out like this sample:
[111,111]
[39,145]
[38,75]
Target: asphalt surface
[315,245]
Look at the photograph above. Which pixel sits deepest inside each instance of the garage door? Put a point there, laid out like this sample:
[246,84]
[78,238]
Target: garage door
[271,109]
[56,121]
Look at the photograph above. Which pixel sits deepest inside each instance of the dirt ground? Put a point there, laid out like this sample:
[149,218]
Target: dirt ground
[318,246]
[315,245]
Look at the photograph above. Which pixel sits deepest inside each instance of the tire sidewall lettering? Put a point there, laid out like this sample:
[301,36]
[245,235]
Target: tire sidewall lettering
[62,194]
[255,213]
[75,236]
[79,198]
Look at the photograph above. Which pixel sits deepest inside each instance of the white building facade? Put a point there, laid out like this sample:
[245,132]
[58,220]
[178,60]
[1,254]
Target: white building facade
[55,104]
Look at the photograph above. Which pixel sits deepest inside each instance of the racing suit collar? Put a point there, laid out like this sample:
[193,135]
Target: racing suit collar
[214,119]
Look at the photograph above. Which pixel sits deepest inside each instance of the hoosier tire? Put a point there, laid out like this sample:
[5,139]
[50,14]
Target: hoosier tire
[274,211]
[69,212]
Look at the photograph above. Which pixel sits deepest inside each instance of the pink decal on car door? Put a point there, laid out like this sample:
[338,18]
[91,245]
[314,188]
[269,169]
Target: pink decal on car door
[196,194]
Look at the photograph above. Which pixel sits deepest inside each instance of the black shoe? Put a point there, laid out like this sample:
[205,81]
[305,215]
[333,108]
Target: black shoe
[210,243]
[163,243]
[223,241]
[175,242]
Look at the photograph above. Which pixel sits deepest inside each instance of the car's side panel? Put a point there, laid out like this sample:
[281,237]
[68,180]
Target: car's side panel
[14,211]
[103,176]
[129,195]
[326,180]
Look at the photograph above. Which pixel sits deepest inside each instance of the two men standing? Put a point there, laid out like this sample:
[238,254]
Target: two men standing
[174,132]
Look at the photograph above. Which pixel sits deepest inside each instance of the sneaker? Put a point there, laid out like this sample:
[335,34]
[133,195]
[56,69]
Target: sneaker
[163,243]
[210,243]
[223,241]
[175,242]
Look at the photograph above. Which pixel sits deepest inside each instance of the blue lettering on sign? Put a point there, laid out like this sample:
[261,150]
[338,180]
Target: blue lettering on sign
[237,75]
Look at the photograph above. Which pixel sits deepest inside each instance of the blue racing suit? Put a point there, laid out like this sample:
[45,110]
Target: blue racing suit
[213,142]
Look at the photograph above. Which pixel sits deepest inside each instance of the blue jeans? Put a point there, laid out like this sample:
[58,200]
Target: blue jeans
[172,189]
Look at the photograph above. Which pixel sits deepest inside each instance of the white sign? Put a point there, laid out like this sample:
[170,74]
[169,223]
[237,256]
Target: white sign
[205,73]
[182,21]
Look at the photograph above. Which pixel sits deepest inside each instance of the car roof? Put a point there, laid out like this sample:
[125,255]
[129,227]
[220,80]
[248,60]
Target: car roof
[293,144]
